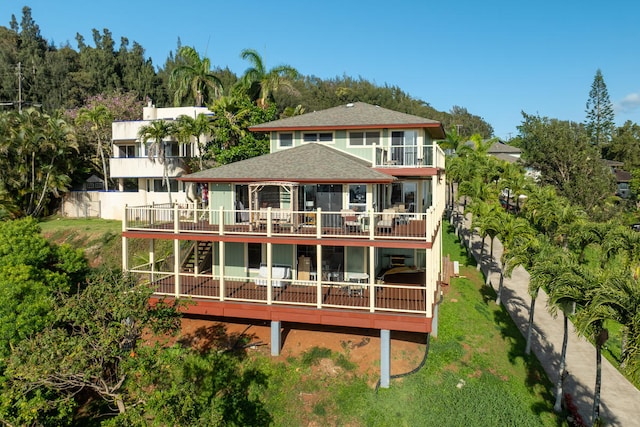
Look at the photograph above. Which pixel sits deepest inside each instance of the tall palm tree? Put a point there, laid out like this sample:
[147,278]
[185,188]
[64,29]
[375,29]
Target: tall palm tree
[486,219]
[199,127]
[99,118]
[591,318]
[262,83]
[514,231]
[60,139]
[157,132]
[193,76]
[533,256]
[556,275]
[452,141]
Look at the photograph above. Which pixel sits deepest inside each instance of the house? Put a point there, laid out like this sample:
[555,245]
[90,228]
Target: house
[139,178]
[622,177]
[339,225]
[504,151]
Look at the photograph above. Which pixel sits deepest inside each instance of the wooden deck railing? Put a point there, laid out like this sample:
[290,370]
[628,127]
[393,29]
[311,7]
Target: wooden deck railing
[284,222]
[373,297]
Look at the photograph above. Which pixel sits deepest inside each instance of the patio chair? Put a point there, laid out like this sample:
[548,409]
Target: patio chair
[350,219]
[387,222]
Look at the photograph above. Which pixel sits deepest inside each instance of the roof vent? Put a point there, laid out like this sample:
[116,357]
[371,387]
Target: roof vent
[349,105]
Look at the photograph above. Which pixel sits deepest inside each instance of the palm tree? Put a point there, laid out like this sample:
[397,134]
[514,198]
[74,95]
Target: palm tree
[194,76]
[486,218]
[99,118]
[60,139]
[198,127]
[591,318]
[556,275]
[262,83]
[533,257]
[514,231]
[452,141]
[157,131]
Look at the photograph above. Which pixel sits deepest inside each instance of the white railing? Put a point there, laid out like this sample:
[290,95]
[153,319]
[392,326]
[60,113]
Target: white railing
[409,156]
[371,296]
[389,224]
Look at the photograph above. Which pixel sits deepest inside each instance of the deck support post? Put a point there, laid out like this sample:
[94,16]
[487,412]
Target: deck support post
[276,337]
[434,321]
[385,358]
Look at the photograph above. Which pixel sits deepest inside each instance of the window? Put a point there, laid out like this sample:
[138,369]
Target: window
[285,140]
[254,255]
[364,138]
[127,151]
[318,137]
[171,149]
[358,197]
[160,187]
[131,185]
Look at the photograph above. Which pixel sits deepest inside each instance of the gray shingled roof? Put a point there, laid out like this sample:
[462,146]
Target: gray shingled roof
[305,163]
[501,147]
[352,116]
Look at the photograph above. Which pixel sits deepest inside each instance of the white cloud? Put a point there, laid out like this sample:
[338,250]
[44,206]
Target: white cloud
[628,104]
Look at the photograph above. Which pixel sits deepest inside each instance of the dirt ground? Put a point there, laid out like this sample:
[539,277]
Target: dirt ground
[362,346]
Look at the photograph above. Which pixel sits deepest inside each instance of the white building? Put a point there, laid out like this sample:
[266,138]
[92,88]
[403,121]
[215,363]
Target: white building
[139,178]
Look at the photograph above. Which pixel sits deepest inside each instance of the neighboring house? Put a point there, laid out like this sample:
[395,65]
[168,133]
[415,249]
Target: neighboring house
[622,177]
[504,151]
[340,225]
[139,178]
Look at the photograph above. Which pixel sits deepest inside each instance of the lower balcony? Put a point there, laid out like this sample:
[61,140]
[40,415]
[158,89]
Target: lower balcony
[397,306]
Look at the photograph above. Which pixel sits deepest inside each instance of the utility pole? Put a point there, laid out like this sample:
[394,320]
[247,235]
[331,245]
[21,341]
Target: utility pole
[19,87]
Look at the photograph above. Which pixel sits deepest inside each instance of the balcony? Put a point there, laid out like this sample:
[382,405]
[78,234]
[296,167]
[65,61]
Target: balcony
[271,222]
[387,298]
[143,167]
[326,295]
[409,156]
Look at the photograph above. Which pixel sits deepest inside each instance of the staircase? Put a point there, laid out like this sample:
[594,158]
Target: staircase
[203,261]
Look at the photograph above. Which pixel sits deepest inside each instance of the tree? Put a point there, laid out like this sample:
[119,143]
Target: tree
[99,118]
[183,387]
[261,83]
[600,117]
[157,131]
[625,146]
[96,332]
[232,141]
[32,273]
[37,162]
[555,275]
[487,219]
[561,152]
[514,232]
[469,123]
[198,127]
[193,76]
[532,256]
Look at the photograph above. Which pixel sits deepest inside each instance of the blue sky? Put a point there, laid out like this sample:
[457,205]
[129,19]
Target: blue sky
[495,58]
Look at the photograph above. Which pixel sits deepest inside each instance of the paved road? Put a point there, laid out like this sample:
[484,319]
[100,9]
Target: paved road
[620,404]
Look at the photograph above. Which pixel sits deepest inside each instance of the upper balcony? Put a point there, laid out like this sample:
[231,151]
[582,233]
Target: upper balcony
[143,167]
[409,156]
[388,226]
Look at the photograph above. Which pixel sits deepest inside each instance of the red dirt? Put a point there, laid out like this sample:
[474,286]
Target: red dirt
[361,345]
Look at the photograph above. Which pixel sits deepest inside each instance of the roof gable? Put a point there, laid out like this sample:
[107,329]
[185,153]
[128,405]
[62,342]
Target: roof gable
[311,162]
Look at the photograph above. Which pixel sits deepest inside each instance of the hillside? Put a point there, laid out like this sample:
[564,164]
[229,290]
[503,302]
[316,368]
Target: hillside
[100,239]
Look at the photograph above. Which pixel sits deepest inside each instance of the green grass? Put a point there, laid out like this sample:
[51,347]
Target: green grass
[57,224]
